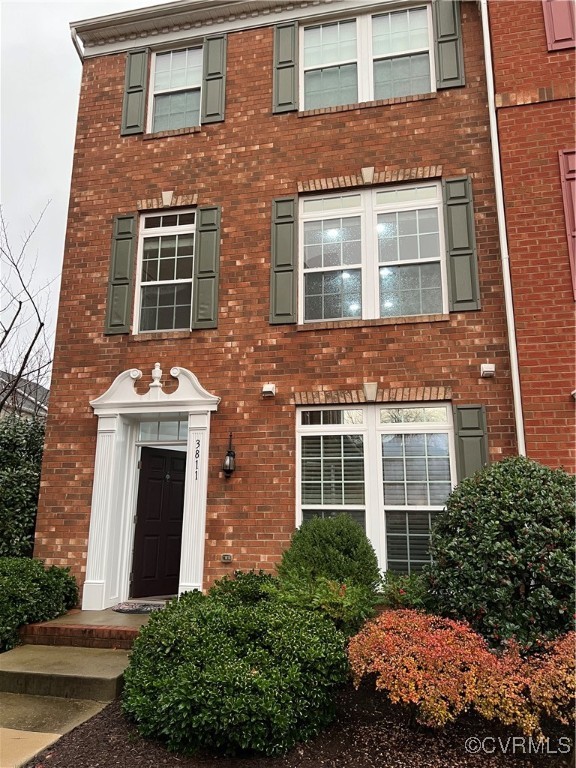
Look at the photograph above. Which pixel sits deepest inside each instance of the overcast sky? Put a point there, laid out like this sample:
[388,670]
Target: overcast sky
[40,82]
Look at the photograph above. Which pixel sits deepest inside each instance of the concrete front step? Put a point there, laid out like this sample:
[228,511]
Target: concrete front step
[72,673]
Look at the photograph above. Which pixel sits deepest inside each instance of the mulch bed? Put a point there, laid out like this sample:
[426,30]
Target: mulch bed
[367,733]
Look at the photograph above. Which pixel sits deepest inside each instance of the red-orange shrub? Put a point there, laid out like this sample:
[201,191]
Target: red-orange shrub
[553,679]
[432,663]
[443,668]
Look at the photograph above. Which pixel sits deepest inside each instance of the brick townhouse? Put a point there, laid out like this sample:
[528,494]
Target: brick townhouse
[283,291]
[535,75]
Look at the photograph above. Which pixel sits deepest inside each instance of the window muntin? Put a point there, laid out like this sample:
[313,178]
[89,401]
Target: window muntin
[373,254]
[383,56]
[166,263]
[391,469]
[176,85]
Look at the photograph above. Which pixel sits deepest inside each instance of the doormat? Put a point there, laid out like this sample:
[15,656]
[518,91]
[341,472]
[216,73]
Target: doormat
[137,607]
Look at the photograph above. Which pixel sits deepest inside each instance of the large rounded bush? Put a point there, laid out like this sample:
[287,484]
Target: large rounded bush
[29,592]
[213,674]
[335,548]
[503,552]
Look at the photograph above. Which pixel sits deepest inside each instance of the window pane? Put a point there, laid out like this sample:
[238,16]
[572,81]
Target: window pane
[403,76]
[330,86]
[332,295]
[176,110]
[330,475]
[412,475]
[414,290]
[330,43]
[400,31]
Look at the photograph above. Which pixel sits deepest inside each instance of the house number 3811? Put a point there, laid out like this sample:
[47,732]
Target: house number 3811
[196,459]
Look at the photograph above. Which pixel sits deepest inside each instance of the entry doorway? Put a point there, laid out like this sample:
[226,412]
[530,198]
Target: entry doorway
[158,531]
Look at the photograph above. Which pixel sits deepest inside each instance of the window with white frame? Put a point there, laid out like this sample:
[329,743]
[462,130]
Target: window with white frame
[166,262]
[176,84]
[390,468]
[374,253]
[378,56]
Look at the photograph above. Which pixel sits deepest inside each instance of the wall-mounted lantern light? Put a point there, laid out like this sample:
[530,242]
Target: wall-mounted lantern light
[229,464]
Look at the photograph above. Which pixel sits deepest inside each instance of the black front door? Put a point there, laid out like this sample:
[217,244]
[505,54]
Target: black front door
[158,534]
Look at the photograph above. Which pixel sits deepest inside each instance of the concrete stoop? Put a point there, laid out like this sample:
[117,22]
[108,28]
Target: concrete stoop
[65,672]
[46,690]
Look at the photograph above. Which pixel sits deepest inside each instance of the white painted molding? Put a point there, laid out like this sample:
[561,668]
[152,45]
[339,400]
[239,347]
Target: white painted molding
[121,396]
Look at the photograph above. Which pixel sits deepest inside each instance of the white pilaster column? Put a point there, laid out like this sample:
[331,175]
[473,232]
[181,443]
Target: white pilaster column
[194,522]
[94,594]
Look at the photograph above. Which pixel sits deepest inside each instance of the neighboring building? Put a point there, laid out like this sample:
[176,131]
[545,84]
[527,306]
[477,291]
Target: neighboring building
[534,68]
[290,208]
[27,398]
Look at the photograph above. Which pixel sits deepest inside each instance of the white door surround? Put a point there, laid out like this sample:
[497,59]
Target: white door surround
[120,410]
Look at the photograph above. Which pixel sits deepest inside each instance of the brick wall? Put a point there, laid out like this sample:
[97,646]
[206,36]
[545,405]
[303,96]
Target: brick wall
[536,119]
[242,164]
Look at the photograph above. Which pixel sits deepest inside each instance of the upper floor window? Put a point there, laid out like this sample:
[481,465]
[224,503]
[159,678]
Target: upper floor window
[374,253]
[165,259]
[176,85]
[371,57]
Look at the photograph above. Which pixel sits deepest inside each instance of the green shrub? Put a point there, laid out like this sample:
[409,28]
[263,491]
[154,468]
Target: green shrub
[206,673]
[245,587]
[331,567]
[333,547]
[503,553]
[21,444]
[347,605]
[403,591]
[29,593]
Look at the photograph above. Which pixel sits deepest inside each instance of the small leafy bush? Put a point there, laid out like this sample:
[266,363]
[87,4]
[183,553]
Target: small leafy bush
[503,553]
[21,445]
[29,593]
[234,678]
[335,548]
[440,668]
[245,587]
[331,567]
[403,591]
[347,605]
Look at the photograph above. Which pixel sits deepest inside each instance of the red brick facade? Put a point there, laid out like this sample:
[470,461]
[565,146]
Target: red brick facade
[242,164]
[535,91]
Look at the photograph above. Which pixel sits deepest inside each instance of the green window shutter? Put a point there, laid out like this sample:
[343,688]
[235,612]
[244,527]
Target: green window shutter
[471,439]
[206,268]
[463,286]
[285,90]
[214,79]
[119,304]
[134,107]
[448,43]
[283,262]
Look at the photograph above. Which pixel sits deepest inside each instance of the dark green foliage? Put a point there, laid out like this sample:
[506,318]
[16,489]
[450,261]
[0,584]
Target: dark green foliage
[334,547]
[331,567]
[348,605]
[21,444]
[403,591]
[246,588]
[29,593]
[503,552]
[206,673]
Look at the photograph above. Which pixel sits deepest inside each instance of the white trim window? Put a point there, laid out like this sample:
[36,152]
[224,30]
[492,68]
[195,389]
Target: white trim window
[380,56]
[391,468]
[176,81]
[165,271]
[371,254]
